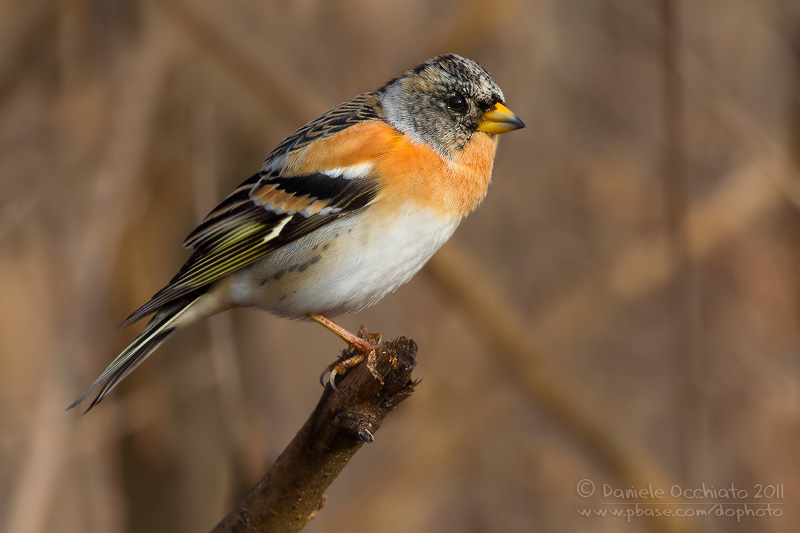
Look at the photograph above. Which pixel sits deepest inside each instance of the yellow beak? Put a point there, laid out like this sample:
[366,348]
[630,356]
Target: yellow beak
[500,119]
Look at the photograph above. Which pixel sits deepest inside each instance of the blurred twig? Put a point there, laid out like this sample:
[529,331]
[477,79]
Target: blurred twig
[647,265]
[753,190]
[789,22]
[243,451]
[506,332]
[688,360]
[272,79]
[40,470]
[474,22]
[702,83]
[642,269]
[290,494]
[23,46]
[139,79]
[28,37]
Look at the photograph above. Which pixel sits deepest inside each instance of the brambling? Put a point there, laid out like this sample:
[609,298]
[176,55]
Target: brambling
[342,212]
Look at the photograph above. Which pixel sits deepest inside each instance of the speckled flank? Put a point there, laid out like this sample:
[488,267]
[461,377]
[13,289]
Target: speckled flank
[372,261]
[301,267]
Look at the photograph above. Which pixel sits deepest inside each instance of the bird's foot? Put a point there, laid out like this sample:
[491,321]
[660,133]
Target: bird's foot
[361,347]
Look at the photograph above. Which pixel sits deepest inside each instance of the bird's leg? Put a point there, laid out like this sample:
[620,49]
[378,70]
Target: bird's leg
[363,346]
[354,341]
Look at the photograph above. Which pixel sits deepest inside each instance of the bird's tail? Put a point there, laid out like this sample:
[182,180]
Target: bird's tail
[158,330]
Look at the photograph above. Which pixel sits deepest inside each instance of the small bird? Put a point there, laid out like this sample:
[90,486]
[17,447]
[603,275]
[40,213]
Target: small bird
[342,212]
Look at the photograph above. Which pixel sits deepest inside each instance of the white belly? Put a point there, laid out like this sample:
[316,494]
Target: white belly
[345,266]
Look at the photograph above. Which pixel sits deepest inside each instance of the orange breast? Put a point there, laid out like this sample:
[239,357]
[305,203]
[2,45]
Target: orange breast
[453,187]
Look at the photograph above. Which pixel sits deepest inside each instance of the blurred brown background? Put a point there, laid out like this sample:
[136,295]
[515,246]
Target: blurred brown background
[623,308]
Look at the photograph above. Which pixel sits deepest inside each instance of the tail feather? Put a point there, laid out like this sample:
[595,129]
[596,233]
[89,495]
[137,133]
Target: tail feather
[160,328]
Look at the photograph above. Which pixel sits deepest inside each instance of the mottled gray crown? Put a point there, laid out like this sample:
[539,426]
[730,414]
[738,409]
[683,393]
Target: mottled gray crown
[419,103]
[465,74]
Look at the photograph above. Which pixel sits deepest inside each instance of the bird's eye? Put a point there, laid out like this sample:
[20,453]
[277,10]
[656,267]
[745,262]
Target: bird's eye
[456,103]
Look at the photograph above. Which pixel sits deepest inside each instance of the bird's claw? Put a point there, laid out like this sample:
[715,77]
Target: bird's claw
[355,354]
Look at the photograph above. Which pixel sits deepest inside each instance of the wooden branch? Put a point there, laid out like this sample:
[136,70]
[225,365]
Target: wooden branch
[291,492]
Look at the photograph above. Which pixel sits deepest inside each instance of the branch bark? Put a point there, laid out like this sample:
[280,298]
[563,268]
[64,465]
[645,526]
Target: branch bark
[291,492]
